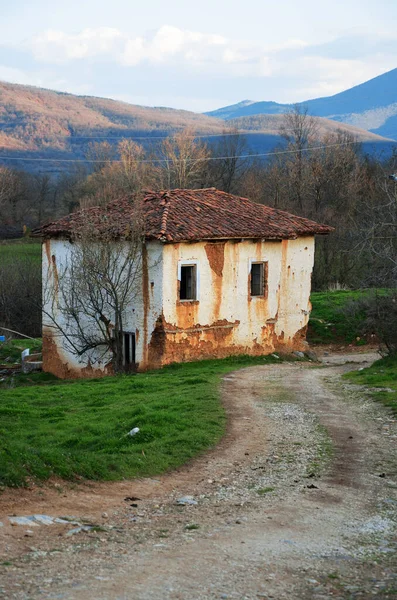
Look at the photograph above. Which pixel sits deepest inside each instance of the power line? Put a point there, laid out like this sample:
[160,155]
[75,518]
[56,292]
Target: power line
[190,160]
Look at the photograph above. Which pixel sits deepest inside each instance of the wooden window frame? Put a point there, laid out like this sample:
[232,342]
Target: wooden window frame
[264,277]
[194,294]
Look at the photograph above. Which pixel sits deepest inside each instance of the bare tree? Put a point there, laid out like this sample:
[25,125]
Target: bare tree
[184,161]
[14,197]
[126,174]
[86,298]
[300,131]
[20,294]
[43,190]
[230,166]
[100,154]
[70,188]
[375,227]
[6,185]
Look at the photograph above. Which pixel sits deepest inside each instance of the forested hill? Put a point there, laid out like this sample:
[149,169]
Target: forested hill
[43,124]
[36,122]
[371,105]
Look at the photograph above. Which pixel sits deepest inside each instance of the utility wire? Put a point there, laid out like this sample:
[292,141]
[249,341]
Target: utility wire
[187,160]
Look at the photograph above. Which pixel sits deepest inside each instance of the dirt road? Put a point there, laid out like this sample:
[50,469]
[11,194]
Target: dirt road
[299,501]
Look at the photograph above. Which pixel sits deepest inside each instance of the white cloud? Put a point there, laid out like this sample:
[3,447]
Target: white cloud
[54,46]
[166,45]
[171,44]
[292,70]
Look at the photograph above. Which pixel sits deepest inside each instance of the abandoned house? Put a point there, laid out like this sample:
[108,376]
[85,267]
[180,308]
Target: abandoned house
[221,275]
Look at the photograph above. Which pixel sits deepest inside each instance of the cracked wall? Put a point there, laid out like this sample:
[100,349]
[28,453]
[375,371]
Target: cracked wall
[223,320]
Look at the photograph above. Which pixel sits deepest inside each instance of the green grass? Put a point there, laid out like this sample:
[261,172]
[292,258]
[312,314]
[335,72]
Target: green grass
[25,248]
[329,323]
[382,374]
[12,350]
[78,429]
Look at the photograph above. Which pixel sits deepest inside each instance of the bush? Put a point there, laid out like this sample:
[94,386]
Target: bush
[20,296]
[379,317]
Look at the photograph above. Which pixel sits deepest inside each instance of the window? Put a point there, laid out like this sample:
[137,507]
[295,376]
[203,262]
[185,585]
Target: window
[128,349]
[188,283]
[258,278]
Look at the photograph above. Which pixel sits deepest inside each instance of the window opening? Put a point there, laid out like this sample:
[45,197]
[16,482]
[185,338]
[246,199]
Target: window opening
[258,278]
[128,349]
[188,285]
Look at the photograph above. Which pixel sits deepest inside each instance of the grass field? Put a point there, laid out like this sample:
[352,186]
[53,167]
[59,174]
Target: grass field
[382,374]
[11,351]
[21,249]
[330,324]
[80,428]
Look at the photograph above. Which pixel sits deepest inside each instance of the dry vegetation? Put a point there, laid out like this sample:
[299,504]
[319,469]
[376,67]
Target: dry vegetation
[271,124]
[41,123]
[37,119]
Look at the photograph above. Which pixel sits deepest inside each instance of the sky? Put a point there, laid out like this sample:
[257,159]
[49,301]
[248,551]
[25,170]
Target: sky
[197,56]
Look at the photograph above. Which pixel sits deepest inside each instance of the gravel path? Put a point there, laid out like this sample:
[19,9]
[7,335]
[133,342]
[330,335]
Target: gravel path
[299,501]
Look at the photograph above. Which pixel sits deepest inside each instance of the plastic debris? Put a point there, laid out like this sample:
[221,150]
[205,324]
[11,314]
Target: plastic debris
[133,431]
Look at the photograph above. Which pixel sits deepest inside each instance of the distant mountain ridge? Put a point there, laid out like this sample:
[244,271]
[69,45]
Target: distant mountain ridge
[39,127]
[371,105]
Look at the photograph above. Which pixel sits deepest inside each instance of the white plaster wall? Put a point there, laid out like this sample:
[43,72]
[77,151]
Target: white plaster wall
[295,306]
[140,319]
[223,300]
[228,298]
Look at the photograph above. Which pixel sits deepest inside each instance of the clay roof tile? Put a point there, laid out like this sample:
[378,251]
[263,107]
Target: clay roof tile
[187,215]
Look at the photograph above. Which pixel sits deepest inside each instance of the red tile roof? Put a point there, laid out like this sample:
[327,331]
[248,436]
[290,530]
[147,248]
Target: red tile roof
[188,215]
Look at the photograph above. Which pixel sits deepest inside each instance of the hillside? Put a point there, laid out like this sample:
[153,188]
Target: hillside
[371,105]
[37,123]
[42,123]
[270,124]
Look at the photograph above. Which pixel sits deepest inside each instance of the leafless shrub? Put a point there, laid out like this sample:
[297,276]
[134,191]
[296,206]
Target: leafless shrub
[86,298]
[20,296]
[378,317]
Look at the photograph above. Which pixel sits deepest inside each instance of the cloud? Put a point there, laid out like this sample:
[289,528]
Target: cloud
[194,64]
[54,46]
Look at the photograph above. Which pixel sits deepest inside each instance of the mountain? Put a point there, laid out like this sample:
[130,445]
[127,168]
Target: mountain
[42,127]
[38,123]
[271,124]
[371,106]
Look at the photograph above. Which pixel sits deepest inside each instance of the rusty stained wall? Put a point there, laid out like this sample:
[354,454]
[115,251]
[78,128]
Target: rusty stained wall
[225,319]
[140,319]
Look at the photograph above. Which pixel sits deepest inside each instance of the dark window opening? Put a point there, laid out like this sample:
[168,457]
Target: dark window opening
[188,282]
[128,349]
[258,279]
